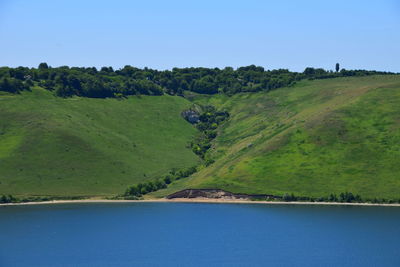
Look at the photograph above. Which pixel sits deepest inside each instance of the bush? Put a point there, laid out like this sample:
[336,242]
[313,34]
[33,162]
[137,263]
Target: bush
[210,119]
[144,188]
[291,197]
[8,199]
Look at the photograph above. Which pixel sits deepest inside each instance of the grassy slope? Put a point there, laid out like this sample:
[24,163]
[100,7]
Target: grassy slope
[81,146]
[312,139]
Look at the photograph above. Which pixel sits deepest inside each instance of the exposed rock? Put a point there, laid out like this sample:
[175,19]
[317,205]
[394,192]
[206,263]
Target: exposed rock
[191,116]
[217,193]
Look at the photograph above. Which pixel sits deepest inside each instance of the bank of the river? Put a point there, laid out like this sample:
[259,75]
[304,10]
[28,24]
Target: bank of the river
[200,200]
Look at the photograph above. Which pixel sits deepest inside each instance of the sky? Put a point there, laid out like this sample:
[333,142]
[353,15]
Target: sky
[207,33]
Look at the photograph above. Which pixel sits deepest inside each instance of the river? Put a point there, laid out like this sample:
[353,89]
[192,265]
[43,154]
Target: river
[198,234]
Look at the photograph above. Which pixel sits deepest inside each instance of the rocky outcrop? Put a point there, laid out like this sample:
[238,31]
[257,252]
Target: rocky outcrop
[191,116]
[219,194]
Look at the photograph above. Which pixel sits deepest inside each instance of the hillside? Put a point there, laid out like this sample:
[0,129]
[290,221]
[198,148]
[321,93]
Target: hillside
[83,147]
[312,139]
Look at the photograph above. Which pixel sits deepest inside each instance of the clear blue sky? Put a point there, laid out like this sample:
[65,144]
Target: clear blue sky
[210,33]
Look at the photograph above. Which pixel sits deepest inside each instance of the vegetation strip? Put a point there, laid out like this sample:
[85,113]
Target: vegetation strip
[137,191]
[89,82]
[345,197]
[196,200]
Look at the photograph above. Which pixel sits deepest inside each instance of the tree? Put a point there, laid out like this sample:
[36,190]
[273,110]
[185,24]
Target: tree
[205,85]
[160,184]
[347,197]
[309,71]
[167,179]
[7,199]
[63,91]
[107,69]
[337,67]
[333,198]
[43,66]
[286,197]
[12,85]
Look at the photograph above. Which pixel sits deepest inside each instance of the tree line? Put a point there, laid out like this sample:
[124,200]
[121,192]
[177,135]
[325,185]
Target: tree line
[344,197]
[12,199]
[137,191]
[67,81]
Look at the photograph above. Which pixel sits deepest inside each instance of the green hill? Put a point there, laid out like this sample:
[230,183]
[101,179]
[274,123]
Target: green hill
[312,139]
[84,146]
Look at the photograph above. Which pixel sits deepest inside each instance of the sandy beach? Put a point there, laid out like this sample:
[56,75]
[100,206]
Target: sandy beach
[198,200]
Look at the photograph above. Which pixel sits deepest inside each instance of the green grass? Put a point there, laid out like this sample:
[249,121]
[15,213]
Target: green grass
[312,139]
[89,147]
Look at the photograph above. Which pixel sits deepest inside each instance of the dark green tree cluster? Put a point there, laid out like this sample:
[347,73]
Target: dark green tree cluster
[345,197]
[175,174]
[12,199]
[90,82]
[144,188]
[13,85]
[318,73]
[349,197]
[289,197]
[209,120]
[136,191]
[8,199]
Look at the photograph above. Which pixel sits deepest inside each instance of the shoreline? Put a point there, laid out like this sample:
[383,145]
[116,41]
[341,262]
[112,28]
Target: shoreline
[199,200]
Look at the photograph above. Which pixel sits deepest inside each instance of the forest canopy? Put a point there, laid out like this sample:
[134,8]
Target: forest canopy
[67,81]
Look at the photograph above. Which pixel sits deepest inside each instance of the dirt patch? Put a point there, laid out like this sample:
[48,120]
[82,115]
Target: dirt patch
[219,194]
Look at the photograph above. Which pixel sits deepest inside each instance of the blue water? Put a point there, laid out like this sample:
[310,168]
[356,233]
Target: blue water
[183,234]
